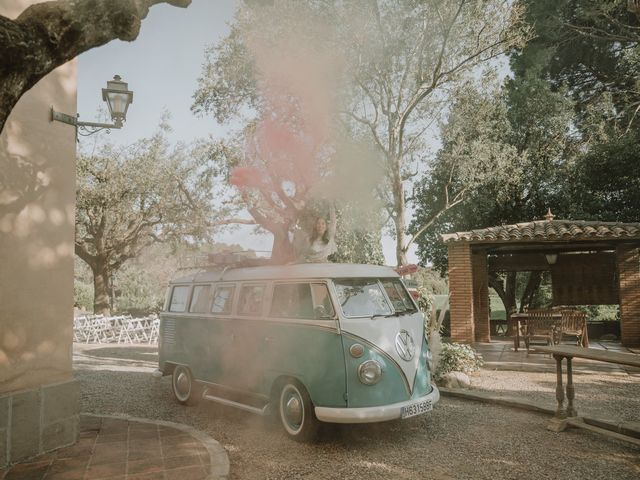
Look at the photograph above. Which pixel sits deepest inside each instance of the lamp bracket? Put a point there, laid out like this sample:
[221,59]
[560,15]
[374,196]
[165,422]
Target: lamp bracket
[89,128]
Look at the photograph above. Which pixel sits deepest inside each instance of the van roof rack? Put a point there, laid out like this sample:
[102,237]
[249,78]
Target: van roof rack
[226,260]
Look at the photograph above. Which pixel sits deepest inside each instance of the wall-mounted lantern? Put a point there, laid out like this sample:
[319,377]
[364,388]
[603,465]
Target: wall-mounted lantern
[118,98]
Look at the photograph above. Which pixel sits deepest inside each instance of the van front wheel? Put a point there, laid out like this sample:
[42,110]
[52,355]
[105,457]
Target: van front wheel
[296,412]
[185,389]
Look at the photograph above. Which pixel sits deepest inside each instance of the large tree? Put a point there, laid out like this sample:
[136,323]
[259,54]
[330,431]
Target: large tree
[399,59]
[534,125]
[606,181]
[130,197]
[49,34]
[590,48]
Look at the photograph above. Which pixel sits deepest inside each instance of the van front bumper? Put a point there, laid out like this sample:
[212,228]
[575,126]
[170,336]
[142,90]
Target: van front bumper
[380,413]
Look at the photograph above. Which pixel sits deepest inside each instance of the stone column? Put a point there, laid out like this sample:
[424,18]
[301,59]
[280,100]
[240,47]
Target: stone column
[39,398]
[628,263]
[480,274]
[461,293]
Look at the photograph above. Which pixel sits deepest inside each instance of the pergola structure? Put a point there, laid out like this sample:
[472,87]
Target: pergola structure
[591,263]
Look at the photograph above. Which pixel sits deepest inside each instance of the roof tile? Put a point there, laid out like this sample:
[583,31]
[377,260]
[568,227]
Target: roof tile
[547,229]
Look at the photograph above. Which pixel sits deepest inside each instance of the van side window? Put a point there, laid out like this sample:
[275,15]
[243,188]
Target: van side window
[200,299]
[322,306]
[301,300]
[179,298]
[223,300]
[250,302]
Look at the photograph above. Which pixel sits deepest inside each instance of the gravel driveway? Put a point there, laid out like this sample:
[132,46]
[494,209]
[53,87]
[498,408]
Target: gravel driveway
[458,440]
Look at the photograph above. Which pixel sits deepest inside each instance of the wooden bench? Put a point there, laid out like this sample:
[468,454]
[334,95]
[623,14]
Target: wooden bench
[569,416]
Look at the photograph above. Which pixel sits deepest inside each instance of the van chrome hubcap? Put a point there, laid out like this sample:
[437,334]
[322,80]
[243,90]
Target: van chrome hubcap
[182,384]
[292,409]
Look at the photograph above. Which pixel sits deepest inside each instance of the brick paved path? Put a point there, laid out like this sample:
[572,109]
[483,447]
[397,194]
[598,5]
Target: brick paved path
[128,449]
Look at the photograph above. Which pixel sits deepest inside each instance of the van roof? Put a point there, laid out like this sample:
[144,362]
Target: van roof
[287,272]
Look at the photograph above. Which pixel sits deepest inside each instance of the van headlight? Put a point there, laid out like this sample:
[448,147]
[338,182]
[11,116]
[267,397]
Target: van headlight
[370,372]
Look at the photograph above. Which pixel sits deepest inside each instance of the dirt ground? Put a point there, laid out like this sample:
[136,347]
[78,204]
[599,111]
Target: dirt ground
[458,440]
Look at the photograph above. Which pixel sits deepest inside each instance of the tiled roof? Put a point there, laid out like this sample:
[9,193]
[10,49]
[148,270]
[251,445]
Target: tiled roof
[544,230]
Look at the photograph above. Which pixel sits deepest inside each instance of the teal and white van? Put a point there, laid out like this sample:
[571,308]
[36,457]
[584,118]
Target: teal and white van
[328,342]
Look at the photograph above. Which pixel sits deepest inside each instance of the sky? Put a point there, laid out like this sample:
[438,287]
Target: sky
[162,67]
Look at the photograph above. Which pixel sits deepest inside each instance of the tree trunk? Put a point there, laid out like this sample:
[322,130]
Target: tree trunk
[282,251]
[533,283]
[101,289]
[399,218]
[506,290]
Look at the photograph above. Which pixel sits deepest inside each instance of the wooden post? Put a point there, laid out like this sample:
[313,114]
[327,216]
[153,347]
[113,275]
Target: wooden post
[480,292]
[559,421]
[571,393]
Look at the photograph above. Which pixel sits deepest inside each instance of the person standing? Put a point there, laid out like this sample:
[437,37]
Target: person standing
[322,240]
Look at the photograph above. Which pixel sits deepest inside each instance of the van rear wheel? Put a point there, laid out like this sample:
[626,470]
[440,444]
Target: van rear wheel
[296,412]
[185,389]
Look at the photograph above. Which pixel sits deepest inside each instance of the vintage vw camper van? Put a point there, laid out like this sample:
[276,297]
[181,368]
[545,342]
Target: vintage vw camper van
[308,342]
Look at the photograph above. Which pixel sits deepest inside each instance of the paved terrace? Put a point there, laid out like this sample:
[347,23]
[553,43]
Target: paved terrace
[128,449]
[500,356]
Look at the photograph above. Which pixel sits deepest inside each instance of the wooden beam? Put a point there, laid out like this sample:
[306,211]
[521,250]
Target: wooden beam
[524,262]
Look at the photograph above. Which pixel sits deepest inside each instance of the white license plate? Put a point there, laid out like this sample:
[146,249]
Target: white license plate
[416,408]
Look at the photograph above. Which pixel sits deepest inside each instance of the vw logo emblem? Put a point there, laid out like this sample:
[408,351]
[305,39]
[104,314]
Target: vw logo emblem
[404,345]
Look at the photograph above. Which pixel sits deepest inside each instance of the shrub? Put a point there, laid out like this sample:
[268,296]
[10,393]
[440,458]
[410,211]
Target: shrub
[457,357]
[83,294]
[139,293]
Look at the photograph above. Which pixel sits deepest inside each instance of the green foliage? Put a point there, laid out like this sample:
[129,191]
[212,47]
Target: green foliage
[425,301]
[138,291]
[570,113]
[398,62]
[496,308]
[457,357]
[358,239]
[83,294]
[128,198]
[606,185]
[589,46]
[358,246]
[431,281]
[529,127]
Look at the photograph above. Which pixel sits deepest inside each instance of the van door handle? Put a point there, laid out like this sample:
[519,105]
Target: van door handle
[268,339]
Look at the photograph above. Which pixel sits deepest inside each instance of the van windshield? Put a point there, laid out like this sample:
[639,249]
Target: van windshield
[397,293]
[362,297]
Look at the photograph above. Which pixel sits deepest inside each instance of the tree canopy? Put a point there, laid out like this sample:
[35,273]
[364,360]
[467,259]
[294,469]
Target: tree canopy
[394,64]
[569,112]
[128,198]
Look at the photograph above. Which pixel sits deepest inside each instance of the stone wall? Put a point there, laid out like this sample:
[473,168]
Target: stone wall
[38,420]
[38,397]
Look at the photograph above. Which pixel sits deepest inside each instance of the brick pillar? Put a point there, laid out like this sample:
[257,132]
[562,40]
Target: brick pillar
[461,293]
[480,296]
[628,260]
